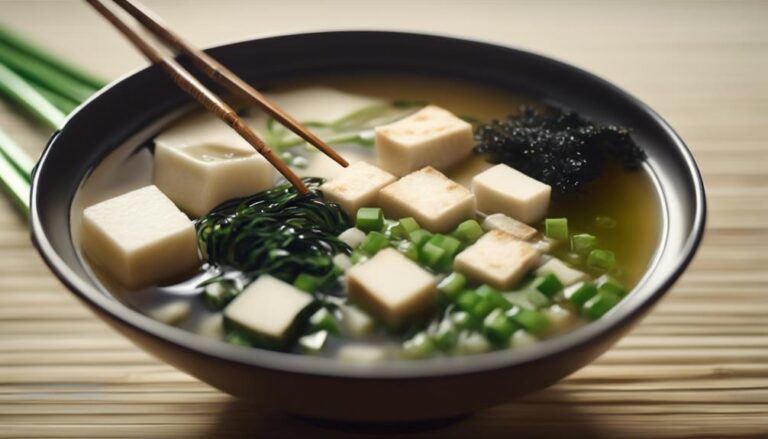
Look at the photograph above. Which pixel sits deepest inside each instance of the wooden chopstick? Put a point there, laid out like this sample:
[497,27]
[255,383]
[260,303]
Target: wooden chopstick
[201,94]
[219,73]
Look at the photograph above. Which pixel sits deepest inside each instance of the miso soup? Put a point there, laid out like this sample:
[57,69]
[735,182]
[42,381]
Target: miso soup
[390,260]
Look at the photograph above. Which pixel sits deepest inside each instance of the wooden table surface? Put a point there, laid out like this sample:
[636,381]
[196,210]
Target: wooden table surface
[697,366]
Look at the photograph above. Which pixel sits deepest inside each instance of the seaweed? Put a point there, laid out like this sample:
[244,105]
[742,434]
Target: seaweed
[278,231]
[557,146]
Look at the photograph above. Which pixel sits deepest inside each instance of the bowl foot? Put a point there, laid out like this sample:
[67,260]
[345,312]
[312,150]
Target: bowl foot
[388,427]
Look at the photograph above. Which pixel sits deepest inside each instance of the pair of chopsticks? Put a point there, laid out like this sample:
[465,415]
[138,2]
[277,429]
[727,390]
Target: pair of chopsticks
[219,74]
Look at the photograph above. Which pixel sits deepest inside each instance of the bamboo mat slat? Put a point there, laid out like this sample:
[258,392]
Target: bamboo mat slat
[696,367]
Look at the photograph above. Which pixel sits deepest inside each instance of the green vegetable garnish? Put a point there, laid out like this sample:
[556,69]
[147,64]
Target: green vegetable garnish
[583,243]
[469,231]
[549,285]
[600,304]
[452,285]
[556,228]
[370,219]
[601,259]
[374,242]
[278,231]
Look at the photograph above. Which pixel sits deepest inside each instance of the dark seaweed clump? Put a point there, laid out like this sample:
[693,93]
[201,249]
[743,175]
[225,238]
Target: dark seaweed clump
[558,147]
[278,232]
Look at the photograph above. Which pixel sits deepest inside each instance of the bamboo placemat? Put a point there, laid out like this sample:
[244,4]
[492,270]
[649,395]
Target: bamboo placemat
[697,366]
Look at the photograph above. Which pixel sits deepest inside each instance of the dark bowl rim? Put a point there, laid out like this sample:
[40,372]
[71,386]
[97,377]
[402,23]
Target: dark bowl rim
[632,307]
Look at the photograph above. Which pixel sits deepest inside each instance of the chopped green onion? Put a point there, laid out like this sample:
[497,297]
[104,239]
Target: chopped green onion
[537,298]
[431,254]
[493,296]
[498,327]
[461,319]
[445,335]
[419,237]
[606,283]
[323,320]
[533,321]
[306,282]
[520,298]
[556,228]
[601,259]
[370,219]
[409,249]
[358,257]
[409,224]
[580,293]
[419,346]
[450,247]
[549,285]
[374,242]
[469,231]
[583,243]
[467,300]
[394,230]
[600,304]
[452,285]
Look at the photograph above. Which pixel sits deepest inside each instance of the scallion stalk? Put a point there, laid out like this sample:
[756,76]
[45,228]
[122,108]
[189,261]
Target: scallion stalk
[12,40]
[17,157]
[15,185]
[43,74]
[19,91]
[63,103]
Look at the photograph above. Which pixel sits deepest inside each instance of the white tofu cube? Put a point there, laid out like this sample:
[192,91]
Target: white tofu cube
[267,308]
[566,274]
[392,288]
[502,189]
[356,186]
[498,259]
[140,238]
[431,136]
[200,176]
[518,229]
[438,203]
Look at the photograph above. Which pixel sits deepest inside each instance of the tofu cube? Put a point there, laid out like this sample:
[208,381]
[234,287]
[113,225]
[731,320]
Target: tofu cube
[356,186]
[432,136]
[268,309]
[502,189]
[566,274]
[393,288]
[518,229]
[200,176]
[438,203]
[140,238]
[498,259]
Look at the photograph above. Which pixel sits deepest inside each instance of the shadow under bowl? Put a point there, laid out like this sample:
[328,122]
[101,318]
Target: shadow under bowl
[391,391]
